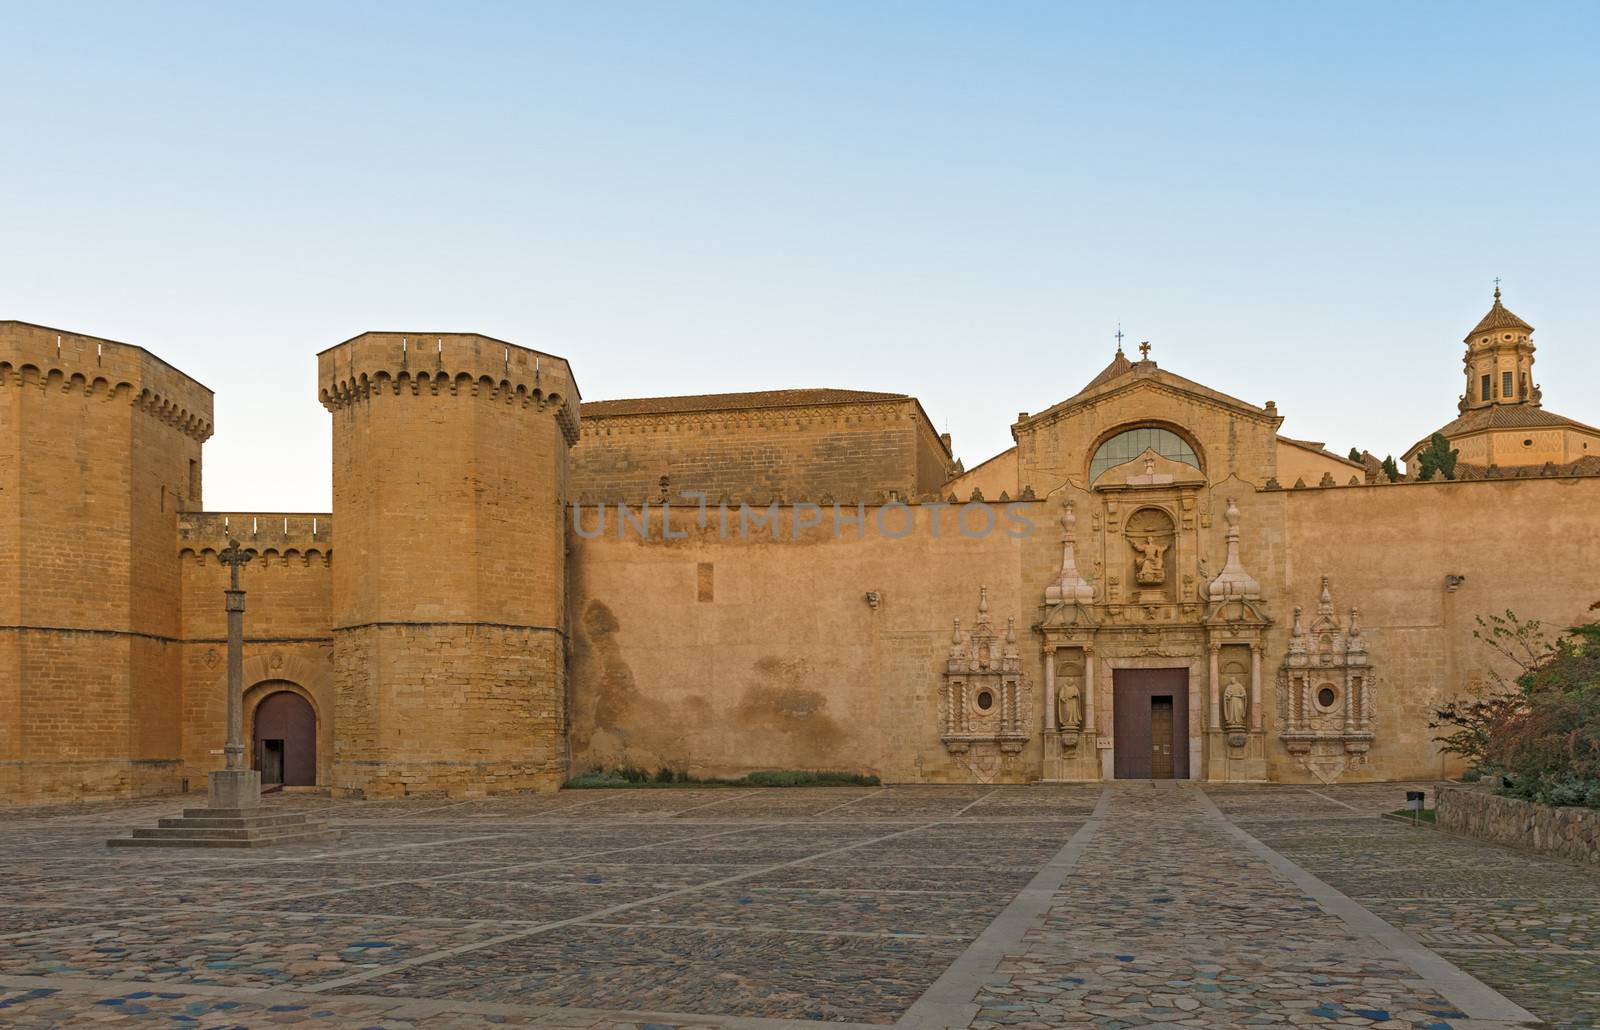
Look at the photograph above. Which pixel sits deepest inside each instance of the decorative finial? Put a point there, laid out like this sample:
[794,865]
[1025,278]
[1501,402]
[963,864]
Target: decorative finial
[1497,287]
[1119,337]
[1069,586]
[1144,350]
[1234,583]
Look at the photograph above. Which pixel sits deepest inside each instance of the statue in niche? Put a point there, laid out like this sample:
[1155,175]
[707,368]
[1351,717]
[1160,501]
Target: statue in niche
[1069,706]
[1233,704]
[1151,570]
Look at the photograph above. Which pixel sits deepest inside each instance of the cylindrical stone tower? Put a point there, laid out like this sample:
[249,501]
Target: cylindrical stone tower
[99,452]
[449,607]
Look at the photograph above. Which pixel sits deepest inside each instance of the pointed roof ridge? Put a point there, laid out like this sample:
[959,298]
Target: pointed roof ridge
[1119,365]
[1499,317]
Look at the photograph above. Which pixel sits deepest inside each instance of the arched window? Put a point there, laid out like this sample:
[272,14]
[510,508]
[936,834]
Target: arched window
[1127,445]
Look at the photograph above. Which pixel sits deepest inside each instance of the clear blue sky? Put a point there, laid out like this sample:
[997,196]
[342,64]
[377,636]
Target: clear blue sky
[1299,202]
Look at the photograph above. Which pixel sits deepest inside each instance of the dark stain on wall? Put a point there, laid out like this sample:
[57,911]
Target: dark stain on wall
[789,721]
[616,692]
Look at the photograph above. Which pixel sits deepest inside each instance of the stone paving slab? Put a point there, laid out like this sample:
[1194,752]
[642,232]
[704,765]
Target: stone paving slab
[686,970]
[1167,920]
[250,949]
[780,907]
[1526,924]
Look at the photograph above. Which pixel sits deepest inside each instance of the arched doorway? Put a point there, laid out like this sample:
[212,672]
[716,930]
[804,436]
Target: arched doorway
[284,740]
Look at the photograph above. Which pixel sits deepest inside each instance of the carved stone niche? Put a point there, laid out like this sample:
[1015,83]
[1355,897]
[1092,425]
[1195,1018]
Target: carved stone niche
[1071,686]
[1151,536]
[1233,692]
[983,703]
[1326,692]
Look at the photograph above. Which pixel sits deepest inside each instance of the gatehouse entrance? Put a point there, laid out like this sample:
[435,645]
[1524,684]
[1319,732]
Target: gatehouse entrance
[1150,717]
[284,742]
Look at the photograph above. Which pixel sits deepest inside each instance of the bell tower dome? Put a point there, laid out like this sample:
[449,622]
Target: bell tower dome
[1499,360]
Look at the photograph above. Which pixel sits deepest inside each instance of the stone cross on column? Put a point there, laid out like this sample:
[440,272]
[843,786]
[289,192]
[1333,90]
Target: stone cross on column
[236,786]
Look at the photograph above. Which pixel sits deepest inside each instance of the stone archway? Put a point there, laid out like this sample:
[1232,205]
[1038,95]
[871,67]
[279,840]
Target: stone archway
[283,737]
[272,672]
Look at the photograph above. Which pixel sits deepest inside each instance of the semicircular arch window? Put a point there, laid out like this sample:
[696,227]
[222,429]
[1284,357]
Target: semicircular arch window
[1131,443]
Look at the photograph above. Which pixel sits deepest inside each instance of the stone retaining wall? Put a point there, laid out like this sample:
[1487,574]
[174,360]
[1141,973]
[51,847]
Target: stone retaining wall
[1571,833]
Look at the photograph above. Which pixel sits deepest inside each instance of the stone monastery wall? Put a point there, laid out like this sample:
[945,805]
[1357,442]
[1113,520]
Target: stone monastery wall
[288,639]
[494,624]
[721,653]
[1527,545]
[859,450]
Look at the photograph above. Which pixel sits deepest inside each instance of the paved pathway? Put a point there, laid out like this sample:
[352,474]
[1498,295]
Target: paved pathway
[927,906]
[1174,916]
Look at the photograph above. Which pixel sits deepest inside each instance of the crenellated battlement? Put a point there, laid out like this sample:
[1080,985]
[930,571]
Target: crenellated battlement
[35,356]
[374,364]
[273,537]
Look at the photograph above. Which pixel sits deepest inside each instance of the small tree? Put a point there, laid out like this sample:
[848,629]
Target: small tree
[1390,469]
[1436,457]
[1355,454]
[1476,723]
[1542,727]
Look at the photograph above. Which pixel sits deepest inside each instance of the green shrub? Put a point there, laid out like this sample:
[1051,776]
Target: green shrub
[629,776]
[801,778]
[1541,730]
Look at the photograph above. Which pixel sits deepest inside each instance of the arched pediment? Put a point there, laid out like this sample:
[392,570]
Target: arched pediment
[1148,469]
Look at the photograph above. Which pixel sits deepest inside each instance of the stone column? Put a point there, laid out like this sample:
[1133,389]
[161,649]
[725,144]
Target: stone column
[1255,687]
[1050,689]
[234,748]
[1090,688]
[1216,690]
[235,786]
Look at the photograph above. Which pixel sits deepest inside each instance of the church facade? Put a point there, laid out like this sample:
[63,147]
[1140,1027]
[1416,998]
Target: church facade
[515,586]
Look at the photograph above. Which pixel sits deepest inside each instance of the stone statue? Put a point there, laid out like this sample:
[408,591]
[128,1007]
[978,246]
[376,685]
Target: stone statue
[1151,570]
[1069,706]
[1233,704]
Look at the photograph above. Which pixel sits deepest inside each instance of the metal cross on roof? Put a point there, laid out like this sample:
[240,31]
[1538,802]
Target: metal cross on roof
[1119,336]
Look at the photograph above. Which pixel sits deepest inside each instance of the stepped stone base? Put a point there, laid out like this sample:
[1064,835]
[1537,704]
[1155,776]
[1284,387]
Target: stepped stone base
[228,828]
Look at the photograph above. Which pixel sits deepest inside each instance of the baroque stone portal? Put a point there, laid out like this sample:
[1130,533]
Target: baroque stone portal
[1325,695]
[983,702]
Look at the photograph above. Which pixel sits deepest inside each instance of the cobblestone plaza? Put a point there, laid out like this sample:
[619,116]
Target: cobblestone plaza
[1125,906]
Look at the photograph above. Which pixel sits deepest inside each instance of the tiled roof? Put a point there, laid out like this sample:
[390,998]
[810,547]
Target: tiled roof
[1499,317]
[733,401]
[1503,416]
[1118,366]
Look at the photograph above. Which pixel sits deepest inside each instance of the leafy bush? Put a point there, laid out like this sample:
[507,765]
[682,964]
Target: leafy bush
[1551,750]
[1542,728]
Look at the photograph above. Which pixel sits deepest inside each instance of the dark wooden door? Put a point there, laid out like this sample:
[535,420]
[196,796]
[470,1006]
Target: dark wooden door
[286,739]
[1161,737]
[1151,739]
